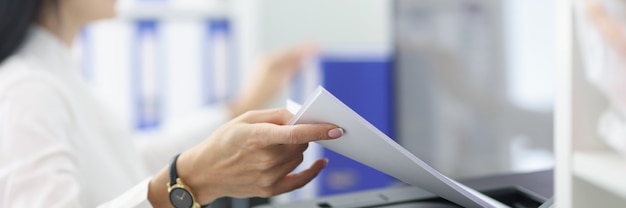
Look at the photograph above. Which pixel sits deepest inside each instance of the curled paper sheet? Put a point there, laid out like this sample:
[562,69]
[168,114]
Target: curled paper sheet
[366,144]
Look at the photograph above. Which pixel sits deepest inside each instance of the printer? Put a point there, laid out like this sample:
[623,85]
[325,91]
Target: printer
[518,190]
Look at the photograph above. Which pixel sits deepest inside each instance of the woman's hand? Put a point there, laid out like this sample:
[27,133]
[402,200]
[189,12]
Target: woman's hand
[271,76]
[252,155]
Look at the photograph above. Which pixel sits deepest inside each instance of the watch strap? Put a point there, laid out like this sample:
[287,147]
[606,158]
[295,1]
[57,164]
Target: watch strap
[174,176]
[173,171]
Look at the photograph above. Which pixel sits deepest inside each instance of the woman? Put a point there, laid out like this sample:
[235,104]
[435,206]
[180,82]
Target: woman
[58,149]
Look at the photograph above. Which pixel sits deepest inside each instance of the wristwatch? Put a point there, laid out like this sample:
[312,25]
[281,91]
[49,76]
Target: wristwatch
[180,194]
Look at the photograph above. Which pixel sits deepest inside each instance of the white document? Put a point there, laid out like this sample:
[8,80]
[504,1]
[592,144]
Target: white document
[366,144]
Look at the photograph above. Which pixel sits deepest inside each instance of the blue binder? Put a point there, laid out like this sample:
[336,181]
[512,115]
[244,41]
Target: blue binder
[86,53]
[146,76]
[365,84]
[218,48]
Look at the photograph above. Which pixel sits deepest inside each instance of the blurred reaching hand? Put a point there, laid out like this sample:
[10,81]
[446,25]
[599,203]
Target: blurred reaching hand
[608,25]
[272,74]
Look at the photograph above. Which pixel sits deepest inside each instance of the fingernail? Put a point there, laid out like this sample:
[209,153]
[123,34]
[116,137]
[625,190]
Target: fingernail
[325,162]
[335,133]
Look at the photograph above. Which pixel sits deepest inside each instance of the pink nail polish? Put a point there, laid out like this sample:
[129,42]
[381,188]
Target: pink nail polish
[335,133]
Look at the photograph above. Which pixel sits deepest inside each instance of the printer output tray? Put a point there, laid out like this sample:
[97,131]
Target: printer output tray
[515,190]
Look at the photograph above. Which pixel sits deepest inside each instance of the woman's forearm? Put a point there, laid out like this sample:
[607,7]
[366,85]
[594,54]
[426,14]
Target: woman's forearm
[157,190]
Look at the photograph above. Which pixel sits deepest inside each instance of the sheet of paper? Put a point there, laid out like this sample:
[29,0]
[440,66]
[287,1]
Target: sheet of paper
[366,144]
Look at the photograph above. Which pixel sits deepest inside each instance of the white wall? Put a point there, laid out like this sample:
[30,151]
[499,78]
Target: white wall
[531,52]
[333,23]
[348,25]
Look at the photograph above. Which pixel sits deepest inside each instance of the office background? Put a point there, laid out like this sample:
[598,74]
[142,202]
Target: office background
[466,85]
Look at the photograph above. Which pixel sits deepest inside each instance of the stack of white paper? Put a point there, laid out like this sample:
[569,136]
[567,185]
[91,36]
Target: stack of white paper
[366,144]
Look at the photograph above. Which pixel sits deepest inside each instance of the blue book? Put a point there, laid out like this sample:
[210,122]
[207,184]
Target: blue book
[146,76]
[219,75]
[365,84]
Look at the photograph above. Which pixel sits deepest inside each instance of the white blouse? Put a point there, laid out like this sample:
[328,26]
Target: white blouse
[59,148]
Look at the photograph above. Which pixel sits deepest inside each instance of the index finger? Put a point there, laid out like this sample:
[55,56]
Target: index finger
[276,116]
[302,133]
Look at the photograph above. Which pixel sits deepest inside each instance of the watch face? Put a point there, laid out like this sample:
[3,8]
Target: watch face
[181,198]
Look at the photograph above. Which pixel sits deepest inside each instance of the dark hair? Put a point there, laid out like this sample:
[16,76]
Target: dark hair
[16,17]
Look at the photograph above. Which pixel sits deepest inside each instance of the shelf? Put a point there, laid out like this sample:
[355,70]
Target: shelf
[607,170]
[166,10]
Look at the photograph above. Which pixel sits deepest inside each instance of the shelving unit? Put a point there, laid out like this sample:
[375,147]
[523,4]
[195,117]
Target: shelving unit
[588,173]
[184,32]
[172,10]
[604,169]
